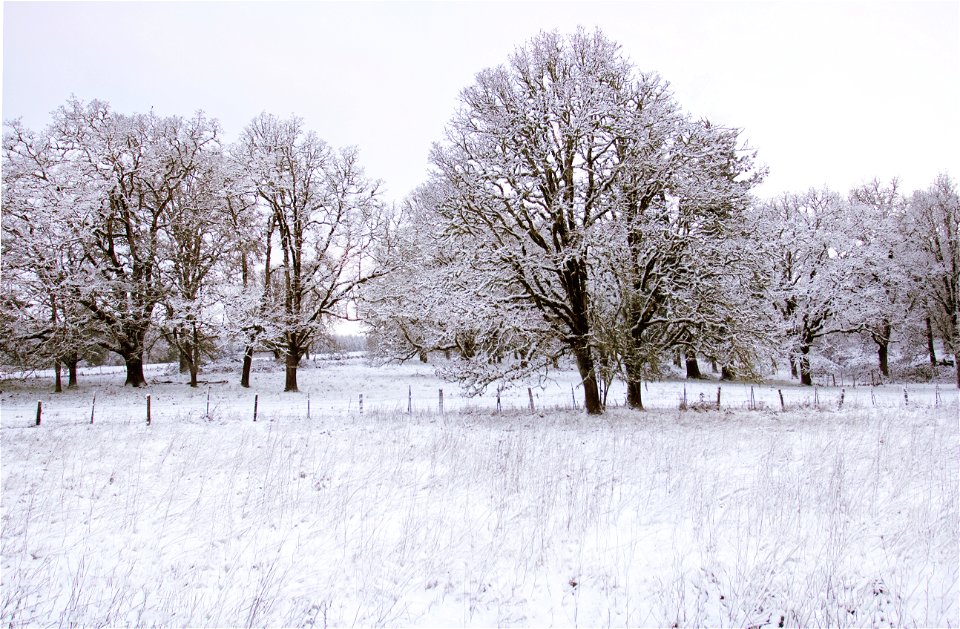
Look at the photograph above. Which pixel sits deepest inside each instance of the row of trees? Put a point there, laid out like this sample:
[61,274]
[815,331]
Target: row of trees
[116,226]
[573,211]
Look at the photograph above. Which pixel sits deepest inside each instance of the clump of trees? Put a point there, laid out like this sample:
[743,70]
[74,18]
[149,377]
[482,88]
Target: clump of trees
[118,226]
[573,212]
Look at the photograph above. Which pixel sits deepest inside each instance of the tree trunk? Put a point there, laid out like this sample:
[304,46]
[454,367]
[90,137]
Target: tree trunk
[292,362]
[422,355]
[727,373]
[930,348]
[185,359]
[57,378]
[588,376]
[882,338]
[806,376]
[693,369]
[134,371]
[956,365]
[247,364]
[634,393]
[793,367]
[72,373]
[193,374]
[882,349]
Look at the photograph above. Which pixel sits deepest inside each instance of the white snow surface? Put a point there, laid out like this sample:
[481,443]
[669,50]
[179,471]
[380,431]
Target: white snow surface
[747,516]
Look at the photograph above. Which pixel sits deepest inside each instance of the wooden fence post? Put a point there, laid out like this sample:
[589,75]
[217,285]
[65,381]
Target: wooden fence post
[208,403]
[39,411]
[842,393]
[718,398]
[530,395]
[256,401]
[148,409]
[498,399]
[93,406]
[308,405]
[409,400]
[440,403]
[783,406]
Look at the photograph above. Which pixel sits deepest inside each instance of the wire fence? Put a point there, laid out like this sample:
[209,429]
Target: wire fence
[209,404]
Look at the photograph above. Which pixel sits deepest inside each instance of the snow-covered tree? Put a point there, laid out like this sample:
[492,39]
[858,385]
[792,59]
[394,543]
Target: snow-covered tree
[326,215]
[881,282]
[43,323]
[811,257]
[110,189]
[933,220]
[572,177]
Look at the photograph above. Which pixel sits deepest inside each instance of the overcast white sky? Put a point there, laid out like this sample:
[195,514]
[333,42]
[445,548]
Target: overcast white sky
[832,93]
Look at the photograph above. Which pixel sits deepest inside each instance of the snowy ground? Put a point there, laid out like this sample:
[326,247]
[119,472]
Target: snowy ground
[813,516]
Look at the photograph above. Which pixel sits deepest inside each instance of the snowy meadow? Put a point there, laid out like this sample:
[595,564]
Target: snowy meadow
[737,517]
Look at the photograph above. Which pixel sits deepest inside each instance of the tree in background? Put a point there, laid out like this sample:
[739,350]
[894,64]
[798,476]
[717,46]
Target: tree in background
[933,223]
[327,216]
[880,281]
[811,257]
[43,323]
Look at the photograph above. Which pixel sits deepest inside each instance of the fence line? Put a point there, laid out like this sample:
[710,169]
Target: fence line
[682,396]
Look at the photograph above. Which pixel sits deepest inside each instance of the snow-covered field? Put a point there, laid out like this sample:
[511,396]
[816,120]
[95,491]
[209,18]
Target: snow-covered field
[813,516]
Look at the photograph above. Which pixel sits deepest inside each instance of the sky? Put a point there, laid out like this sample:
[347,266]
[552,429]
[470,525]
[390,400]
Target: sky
[828,93]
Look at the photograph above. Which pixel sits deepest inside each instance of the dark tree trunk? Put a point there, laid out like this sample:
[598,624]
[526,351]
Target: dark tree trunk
[588,376]
[247,365]
[185,359]
[635,393]
[793,367]
[135,376]
[292,362]
[693,369]
[57,377]
[193,374]
[806,376]
[882,338]
[72,382]
[956,365]
[422,354]
[882,349]
[930,349]
[677,359]
[727,373]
